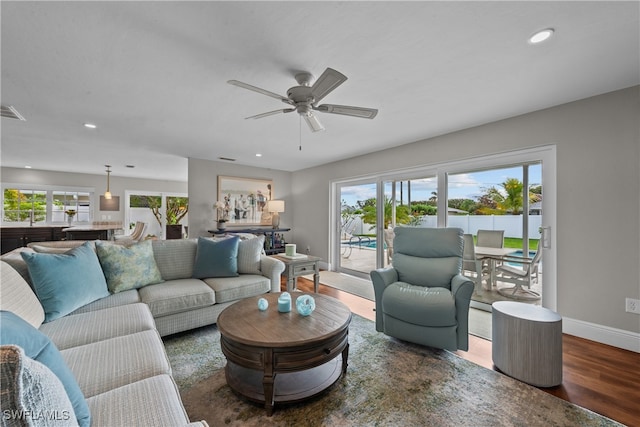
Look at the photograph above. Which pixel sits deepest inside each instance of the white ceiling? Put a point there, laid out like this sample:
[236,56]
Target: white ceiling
[152,76]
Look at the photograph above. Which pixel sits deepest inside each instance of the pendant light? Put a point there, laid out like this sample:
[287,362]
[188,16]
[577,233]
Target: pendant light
[107,194]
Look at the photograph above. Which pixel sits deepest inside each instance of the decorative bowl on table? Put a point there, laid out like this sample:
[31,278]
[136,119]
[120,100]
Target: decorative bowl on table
[305,304]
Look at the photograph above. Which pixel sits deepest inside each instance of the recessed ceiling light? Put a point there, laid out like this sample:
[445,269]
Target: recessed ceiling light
[90,125]
[540,36]
[258,155]
[27,167]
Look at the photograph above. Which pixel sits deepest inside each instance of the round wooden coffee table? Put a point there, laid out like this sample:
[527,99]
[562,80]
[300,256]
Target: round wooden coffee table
[275,357]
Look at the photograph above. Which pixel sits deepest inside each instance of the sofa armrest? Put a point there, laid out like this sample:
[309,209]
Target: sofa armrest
[272,268]
[382,278]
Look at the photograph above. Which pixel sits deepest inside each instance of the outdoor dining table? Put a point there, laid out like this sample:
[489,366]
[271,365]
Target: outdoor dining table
[493,255]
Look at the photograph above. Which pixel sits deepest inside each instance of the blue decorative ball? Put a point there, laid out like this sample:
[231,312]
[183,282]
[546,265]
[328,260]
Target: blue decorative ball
[305,304]
[263,304]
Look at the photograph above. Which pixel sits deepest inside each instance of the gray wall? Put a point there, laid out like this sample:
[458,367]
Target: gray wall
[117,185]
[598,161]
[598,164]
[203,191]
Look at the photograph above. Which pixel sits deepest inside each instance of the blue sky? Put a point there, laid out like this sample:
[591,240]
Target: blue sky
[461,186]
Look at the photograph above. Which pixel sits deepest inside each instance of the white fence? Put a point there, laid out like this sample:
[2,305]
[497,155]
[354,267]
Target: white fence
[511,224]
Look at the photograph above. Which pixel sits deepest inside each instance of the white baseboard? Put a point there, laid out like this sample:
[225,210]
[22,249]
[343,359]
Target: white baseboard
[603,334]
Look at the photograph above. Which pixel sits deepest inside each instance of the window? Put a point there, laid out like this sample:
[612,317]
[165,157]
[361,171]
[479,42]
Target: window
[20,205]
[44,205]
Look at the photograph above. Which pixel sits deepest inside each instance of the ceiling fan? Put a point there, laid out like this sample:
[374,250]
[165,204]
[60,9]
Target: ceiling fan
[305,97]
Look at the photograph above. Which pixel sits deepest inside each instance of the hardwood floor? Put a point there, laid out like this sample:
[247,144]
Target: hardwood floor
[598,377]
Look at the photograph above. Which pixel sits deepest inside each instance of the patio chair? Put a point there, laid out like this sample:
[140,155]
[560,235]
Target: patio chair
[137,233]
[471,263]
[349,240]
[424,298]
[389,235]
[520,276]
[490,239]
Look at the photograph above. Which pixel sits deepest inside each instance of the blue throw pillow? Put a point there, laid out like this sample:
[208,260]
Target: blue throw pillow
[65,282]
[216,258]
[38,346]
[128,267]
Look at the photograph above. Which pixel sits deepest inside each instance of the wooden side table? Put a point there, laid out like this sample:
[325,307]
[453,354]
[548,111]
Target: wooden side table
[296,267]
[527,342]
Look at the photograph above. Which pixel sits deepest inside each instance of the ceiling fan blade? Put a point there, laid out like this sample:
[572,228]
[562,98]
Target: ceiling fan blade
[347,110]
[271,113]
[260,90]
[327,82]
[313,122]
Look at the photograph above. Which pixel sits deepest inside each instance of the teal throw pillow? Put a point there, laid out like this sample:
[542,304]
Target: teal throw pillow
[37,346]
[128,267]
[65,282]
[216,258]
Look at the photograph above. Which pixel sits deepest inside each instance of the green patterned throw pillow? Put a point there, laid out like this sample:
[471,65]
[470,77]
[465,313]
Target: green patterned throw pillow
[128,267]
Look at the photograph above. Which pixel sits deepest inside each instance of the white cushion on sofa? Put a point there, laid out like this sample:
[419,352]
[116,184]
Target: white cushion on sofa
[18,297]
[85,328]
[176,296]
[122,360]
[153,401]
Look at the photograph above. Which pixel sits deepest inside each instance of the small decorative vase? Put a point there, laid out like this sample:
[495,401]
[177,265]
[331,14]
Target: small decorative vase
[69,220]
[305,304]
[263,304]
[222,225]
[284,302]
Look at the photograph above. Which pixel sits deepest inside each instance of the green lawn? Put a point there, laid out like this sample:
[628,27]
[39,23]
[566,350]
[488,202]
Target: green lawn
[512,242]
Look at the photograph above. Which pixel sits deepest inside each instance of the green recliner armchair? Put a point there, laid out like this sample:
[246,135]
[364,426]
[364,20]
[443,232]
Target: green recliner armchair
[424,298]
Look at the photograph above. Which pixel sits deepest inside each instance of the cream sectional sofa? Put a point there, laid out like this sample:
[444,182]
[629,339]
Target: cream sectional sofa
[113,345]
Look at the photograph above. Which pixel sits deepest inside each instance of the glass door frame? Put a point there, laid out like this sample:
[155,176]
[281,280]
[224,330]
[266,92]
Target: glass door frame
[163,206]
[544,154]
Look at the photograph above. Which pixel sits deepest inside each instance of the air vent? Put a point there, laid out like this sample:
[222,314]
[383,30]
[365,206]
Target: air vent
[227,159]
[11,113]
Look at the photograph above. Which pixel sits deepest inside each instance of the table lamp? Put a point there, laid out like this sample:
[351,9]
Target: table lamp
[275,207]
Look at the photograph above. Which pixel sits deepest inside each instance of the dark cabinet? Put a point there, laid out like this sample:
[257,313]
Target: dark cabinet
[16,237]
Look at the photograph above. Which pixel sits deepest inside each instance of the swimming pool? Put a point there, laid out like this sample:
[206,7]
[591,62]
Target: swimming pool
[364,243]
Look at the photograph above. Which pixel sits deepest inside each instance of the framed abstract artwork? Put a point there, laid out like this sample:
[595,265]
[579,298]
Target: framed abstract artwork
[245,200]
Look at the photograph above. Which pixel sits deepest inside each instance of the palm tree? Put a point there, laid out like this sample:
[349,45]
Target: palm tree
[509,200]
[403,214]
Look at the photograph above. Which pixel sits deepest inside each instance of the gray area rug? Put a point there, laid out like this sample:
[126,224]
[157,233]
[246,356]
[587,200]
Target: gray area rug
[388,383]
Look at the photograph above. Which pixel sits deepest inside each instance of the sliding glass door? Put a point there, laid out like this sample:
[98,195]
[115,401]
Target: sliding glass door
[506,199]
[503,191]
[166,215]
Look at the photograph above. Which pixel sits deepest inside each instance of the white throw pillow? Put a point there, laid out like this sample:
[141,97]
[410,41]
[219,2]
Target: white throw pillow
[18,297]
[249,252]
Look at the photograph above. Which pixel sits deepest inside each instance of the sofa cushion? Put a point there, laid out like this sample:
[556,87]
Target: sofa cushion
[216,258]
[235,288]
[39,347]
[65,282]
[15,260]
[18,297]
[113,300]
[249,253]
[79,329]
[29,387]
[176,296]
[121,360]
[175,257]
[153,401]
[128,267]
